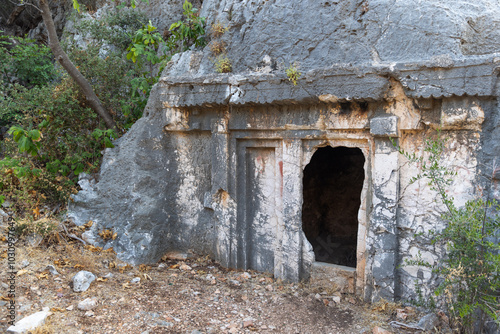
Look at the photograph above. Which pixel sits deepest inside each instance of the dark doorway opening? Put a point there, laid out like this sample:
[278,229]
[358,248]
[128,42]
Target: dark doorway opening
[332,182]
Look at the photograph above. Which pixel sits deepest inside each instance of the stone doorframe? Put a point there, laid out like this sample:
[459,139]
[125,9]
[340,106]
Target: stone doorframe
[290,152]
[310,146]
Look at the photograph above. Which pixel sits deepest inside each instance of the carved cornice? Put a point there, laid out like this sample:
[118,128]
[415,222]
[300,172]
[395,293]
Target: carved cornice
[437,78]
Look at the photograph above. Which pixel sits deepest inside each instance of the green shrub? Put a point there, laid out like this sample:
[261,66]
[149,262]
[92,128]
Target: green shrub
[59,112]
[188,32]
[470,270]
[112,78]
[145,51]
[114,29]
[57,138]
[123,87]
[28,187]
[55,135]
[22,58]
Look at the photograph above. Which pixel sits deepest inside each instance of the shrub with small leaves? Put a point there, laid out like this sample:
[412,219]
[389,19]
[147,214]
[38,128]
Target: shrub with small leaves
[25,62]
[469,271]
[115,28]
[57,139]
[54,135]
[145,52]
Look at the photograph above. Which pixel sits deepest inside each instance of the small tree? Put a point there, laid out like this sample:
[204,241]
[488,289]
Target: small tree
[63,59]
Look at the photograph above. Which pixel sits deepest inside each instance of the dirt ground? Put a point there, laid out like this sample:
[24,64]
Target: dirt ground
[193,296]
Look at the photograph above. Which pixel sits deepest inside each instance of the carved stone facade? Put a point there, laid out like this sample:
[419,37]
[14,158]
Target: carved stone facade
[304,181]
[217,165]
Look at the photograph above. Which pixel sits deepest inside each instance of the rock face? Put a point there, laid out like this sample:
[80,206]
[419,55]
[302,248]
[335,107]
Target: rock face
[216,164]
[327,33]
[429,322]
[24,20]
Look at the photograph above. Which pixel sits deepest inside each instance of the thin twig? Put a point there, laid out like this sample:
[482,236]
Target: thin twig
[71,235]
[65,230]
[25,3]
[76,238]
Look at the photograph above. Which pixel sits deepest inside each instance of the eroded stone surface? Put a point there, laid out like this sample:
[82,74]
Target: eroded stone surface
[234,186]
[321,33]
[82,281]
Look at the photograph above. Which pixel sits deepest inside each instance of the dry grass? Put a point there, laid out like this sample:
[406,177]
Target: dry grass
[166,290]
[46,228]
[386,307]
[80,256]
[217,29]
[46,328]
[64,255]
[330,290]
[63,251]
[217,47]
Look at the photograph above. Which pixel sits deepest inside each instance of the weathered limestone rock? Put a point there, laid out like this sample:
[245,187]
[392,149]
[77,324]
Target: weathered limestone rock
[216,164]
[87,304]
[82,281]
[429,322]
[29,323]
[324,33]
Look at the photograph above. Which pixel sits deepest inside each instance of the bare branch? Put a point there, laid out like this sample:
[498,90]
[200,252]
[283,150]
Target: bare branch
[71,235]
[25,3]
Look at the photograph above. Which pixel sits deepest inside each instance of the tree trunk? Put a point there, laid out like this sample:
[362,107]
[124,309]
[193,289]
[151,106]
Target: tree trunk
[63,59]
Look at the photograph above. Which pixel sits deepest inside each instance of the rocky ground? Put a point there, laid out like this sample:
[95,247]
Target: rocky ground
[177,295]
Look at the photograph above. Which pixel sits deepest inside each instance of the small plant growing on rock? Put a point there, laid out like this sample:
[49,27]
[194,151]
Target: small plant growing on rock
[223,64]
[218,29]
[293,73]
[217,47]
[188,32]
